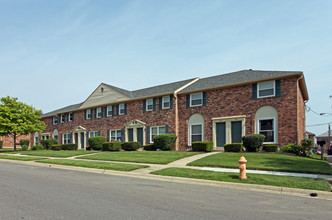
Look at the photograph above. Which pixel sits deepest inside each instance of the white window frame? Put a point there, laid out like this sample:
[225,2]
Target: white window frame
[107,110]
[163,102]
[121,107]
[65,138]
[57,120]
[274,89]
[70,116]
[89,112]
[116,134]
[94,133]
[191,105]
[147,105]
[158,131]
[99,110]
[190,132]
[64,118]
[274,128]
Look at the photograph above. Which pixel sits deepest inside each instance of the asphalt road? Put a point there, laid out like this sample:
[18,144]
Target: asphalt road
[32,192]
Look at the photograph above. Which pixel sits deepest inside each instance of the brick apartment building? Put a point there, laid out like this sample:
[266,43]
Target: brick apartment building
[220,108]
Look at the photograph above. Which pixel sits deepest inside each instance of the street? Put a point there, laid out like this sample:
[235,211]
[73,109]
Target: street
[33,192]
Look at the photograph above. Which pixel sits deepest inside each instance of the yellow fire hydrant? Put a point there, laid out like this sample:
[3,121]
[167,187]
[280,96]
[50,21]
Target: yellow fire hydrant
[243,168]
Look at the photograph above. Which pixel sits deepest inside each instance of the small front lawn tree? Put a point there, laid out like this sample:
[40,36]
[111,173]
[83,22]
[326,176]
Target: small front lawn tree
[17,118]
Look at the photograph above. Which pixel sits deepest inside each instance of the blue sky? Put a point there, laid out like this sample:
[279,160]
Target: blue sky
[55,53]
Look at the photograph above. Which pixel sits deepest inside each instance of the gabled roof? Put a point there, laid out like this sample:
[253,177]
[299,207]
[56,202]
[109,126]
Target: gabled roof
[62,110]
[325,135]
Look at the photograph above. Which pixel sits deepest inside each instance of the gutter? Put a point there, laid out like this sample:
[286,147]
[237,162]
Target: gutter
[175,94]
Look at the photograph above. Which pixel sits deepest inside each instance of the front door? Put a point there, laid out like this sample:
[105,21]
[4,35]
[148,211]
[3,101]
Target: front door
[76,138]
[130,134]
[82,140]
[221,134]
[140,136]
[236,131]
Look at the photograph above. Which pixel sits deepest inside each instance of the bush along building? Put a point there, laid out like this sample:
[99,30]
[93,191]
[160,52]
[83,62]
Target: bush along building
[220,108]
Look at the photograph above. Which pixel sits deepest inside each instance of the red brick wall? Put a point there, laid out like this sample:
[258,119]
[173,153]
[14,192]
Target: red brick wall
[301,114]
[9,141]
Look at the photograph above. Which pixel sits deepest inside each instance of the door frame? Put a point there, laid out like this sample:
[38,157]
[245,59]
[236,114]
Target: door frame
[134,124]
[79,130]
[228,127]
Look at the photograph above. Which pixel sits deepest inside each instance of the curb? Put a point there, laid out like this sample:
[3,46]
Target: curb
[227,185]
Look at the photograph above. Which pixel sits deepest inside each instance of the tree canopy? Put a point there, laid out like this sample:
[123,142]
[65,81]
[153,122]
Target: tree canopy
[17,118]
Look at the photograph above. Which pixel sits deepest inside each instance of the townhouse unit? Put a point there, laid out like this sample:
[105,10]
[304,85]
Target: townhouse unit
[220,108]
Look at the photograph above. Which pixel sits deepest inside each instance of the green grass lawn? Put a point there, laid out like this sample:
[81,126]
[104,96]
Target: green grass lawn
[22,158]
[266,161]
[260,179]
[94,164]
[49,153]
[154,157]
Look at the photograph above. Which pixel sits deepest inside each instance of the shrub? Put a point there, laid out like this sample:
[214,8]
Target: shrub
[271,148]
[235,147]
[37,147]
[130,145]
[306,146]
[111,146]
[1,142]
[253,142]
[24,142]
[287,148]
[69,147]
[42,143]
[24,147]
[202,146]
[49,142]
[164,141]
[292,148]
[296,149]
[149,147]
[96,143]
[56,147]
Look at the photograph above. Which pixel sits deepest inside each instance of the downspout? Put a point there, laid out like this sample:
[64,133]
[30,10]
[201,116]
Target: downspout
[175,94]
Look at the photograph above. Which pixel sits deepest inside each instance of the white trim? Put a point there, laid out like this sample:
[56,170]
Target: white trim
[111,106]
[163,102]
[67,138]
[190,132]
[191,105]
[147,105]
[274,89]
[116,134]
[274,128]
[123,105]
[63,117]
[101,111]
[87,113]
[70,114]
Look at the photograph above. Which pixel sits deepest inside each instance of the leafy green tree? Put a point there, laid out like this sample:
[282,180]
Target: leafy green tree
[17,118]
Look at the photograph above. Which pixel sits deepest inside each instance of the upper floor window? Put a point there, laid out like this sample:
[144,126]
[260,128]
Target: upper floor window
[122,109]
[109,111]
[55,120]
[71,116]
[156,131]
[63,118]
[99,112]
[196,99]
[266,89]
[88,114]
[166,102]
[149,104]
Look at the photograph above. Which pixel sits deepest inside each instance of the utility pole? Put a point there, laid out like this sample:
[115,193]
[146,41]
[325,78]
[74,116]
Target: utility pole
[329,146]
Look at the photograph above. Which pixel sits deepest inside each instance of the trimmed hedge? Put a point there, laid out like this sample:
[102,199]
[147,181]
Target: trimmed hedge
[149,147]
[235,147]
[24,147]
[206,146]
[253,142]
[24,142]
[164,141]
[111,146]
[130,145]
[96,143]
[37,147]
[292,148]
[1,142]
[56,147]
[69,147]
[49,142]
[271,148]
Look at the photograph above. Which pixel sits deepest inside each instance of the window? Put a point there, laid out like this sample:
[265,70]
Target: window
[166,102]
[71,116]
[63,118]
[266,127]
[116,134]
[88,114]
[266,89]
[149,104]
[109,111]
[196,132]
[122,109]
[99,112]
[93,133]
[196,99]
[156,131]
[66,138]
[55,120]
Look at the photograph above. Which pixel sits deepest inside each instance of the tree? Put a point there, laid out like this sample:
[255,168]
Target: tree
[17,118]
